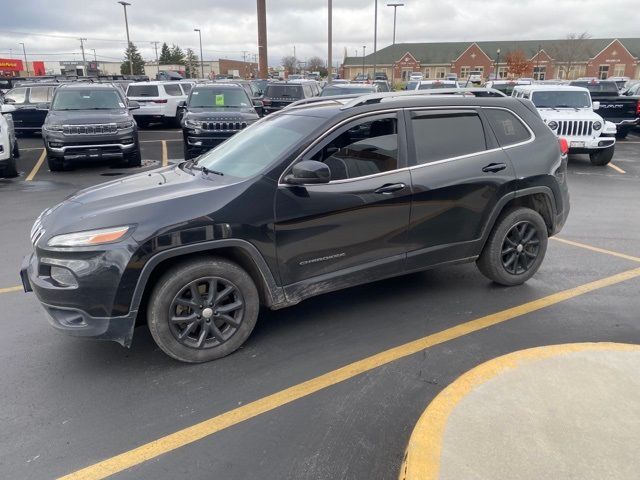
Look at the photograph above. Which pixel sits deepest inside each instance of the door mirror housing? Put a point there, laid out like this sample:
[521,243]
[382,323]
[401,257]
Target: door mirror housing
[133,105]
[4,108]
[309,172]
[8,100]
[596,105]
[258,105]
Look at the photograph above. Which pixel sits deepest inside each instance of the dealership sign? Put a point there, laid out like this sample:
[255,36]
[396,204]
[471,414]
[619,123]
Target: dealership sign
[11,64]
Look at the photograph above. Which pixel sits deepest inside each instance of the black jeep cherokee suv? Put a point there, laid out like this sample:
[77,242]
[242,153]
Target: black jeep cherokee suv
[90,121]
[213,113]
[312,199]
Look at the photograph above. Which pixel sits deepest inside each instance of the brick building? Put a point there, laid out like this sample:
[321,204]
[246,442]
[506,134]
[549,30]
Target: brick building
[547,59]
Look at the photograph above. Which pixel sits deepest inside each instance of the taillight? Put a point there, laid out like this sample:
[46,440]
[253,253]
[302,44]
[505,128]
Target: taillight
[564,145]
[638,109]
[160,101]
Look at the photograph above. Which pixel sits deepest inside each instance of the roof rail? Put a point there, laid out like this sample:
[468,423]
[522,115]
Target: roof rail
[379,97]
[328,99]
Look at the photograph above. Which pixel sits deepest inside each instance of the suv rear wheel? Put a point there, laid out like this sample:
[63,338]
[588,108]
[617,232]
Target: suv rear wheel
[515,248]
[203,309]
[602,157]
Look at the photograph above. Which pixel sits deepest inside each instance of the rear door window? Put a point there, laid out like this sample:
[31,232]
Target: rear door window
[442,135]
[508,129]
[173,90]
[142,91]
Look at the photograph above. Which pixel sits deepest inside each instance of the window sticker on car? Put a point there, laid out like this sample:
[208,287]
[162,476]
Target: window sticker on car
[195,93]
[220,100]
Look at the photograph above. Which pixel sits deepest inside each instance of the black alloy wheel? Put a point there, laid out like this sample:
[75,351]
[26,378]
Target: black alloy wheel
[520,248]
[206,312]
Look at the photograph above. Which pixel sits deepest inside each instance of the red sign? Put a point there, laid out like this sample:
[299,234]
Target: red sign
[9,64]
[38,68]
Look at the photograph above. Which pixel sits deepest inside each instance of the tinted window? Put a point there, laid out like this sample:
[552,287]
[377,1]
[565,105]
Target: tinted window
[40,95]
[18,95]
[173,90]
[186,88]
[598,87]
[284,91]
[364,148]
[87,99]
[142,91]
[218,97]
[561,99]
[507,127]
[446,135]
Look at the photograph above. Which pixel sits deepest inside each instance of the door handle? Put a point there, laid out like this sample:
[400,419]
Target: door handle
[389,188]
[494,167]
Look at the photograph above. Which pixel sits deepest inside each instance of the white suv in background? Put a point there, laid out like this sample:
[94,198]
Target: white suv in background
[569,113]
[158,101]
[8,145]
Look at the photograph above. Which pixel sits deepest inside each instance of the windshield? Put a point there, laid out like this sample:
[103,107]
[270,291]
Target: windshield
[293,91]
[598,87]
[561,99]
[328,91]
[253,149]
[219,97]
[87,99]
[429,86]
[142,91]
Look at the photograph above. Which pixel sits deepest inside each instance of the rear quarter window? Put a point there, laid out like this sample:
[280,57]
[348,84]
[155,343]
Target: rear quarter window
[508,129]
[142,91]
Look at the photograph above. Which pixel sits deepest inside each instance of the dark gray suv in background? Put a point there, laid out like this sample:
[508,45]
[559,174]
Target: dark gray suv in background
[90,121]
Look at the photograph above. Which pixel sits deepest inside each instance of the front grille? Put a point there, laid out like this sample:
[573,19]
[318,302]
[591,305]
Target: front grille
[97,129]
[575,128]
[224,126]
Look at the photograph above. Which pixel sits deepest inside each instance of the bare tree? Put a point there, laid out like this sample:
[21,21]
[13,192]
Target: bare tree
[315,64]
[571,50]
[289,63]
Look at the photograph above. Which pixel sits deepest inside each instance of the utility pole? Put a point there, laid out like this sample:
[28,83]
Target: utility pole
[155,45]
[395,9]
[26,64]
[329,61]
[364,47]
[126,24]
[95,57]
[262,38]
[84,60]
[201,60]
[244,63]
[11,53]
[375,36]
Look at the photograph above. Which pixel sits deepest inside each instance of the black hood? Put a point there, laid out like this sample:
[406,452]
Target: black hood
[82,117]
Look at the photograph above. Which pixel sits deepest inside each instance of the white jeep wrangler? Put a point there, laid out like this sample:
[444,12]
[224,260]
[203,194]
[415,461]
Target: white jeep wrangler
[569,112]
[8,143]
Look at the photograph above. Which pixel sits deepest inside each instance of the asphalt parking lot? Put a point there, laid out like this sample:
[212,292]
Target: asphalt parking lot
[328,389]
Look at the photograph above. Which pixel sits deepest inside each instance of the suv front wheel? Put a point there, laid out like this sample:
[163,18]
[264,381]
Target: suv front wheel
[602,157]
[515,248]
[203,309]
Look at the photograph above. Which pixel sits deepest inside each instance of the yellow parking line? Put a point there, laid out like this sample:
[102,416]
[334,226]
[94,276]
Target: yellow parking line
[422,456]
[165,157]
[597,249]
[173,441]
[37,166]
[616,168]
[160,140]
[17,288]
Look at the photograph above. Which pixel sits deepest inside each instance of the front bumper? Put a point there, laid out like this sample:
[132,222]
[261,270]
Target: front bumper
[582,145]
[204,141]
[83,310]
[74,147]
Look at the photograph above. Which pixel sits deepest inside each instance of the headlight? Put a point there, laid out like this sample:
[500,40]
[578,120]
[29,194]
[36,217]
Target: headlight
[552,125]
[123,125]
[53,127]
[597,125]
[192,123]
[89,237]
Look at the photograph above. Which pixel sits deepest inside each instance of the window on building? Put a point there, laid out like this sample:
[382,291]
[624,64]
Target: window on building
[508,129]
[444,135]
[441,72]
[603,72]
[480,70]
[365,147]
[427,72]
[539,73]
[503,72]
[619,70]
[464,72]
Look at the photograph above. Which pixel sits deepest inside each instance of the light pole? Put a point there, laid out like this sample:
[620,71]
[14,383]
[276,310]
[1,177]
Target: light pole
[201,60]
[95,57]
[26,64]
[395,9]
[84,60]
[497,65]
[363,49]
[126,25]
[329,60]
[375,36]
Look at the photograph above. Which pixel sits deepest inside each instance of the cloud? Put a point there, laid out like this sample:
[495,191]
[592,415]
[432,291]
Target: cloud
[229,27]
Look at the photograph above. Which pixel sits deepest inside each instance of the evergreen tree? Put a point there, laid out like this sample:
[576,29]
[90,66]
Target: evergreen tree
[165,55]
[192,64]
[138,62]
[177,55]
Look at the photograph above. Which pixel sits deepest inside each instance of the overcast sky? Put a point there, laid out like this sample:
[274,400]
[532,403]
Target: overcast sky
[50,29]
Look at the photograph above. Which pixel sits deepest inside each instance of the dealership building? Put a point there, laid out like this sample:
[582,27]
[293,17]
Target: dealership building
[548,59]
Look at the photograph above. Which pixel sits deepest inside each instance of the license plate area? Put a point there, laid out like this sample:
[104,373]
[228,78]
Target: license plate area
[577,144]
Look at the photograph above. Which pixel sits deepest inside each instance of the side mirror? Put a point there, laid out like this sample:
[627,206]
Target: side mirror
[596,105]
[9,100]
[309,171]
[4,108]
[259,106]
[182,104]
[133,105]
[43,106]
